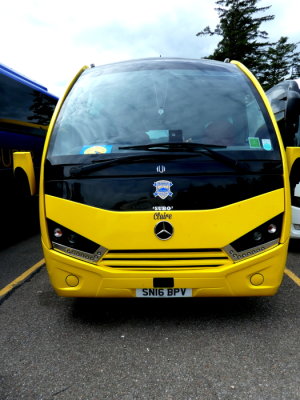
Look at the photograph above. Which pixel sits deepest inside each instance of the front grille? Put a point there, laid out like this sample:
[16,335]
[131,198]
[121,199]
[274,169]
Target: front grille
[160,259]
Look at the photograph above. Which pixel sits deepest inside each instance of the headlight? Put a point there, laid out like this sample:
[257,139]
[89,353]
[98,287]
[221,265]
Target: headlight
[257,240]
[73,244]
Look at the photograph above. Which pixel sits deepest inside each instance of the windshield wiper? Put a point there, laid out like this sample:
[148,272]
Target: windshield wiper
[103,163]
[192,147]
[172,146]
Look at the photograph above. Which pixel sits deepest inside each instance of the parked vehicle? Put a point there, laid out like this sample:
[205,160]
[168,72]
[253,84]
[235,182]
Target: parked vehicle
[165,178]
[26,108]
[279,96]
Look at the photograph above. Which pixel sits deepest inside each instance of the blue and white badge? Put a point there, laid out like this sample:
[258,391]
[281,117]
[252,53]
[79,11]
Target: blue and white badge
[96,149]
[163,189]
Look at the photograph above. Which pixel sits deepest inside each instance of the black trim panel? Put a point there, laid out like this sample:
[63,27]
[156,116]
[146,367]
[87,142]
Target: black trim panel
[202,192]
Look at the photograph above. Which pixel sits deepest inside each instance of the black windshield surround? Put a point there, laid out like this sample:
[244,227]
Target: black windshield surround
[197,184]
[119,170]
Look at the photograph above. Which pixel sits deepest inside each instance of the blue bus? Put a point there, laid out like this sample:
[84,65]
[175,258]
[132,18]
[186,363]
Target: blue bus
[26,108]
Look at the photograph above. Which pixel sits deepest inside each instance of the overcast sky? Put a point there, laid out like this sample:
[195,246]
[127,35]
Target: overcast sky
[49,41]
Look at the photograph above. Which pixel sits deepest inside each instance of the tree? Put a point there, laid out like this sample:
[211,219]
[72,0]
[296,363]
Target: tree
[281,61]
[240,28]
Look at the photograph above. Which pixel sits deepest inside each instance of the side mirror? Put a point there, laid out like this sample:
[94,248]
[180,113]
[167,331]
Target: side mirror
[292,154]
[23,163]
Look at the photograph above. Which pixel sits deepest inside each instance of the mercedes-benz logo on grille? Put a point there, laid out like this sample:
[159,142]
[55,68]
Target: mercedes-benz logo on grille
[164,230]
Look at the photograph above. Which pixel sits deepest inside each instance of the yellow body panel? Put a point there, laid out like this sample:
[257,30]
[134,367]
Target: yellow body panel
[293,153]
[231,280]
[24,161]
[192,230]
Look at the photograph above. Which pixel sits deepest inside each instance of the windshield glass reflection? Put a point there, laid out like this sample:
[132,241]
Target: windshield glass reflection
[109,109]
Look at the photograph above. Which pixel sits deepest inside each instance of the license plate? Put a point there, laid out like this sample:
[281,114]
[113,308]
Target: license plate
[172,292]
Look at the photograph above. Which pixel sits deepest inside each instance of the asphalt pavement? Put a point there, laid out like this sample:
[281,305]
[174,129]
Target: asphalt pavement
[136,349]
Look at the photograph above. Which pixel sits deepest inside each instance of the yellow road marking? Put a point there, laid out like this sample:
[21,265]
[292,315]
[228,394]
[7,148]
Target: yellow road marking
[293,276]
[21,278]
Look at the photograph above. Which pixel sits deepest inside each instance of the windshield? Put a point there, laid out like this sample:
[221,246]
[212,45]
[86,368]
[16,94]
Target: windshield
[129,107]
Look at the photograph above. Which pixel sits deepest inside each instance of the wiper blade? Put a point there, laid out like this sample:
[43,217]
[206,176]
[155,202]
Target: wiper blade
[103,163]
[172,146]
[193,147]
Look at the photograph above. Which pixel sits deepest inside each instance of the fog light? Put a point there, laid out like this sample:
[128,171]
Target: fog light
[257,279]
[272,228]
[72,280]
[57,232]
[297,227]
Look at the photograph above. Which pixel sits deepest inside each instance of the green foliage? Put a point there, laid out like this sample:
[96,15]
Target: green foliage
[243,40]
[281,60]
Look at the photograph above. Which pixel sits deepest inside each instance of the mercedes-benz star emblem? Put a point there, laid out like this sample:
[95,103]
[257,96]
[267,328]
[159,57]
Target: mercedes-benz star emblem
[164,230]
